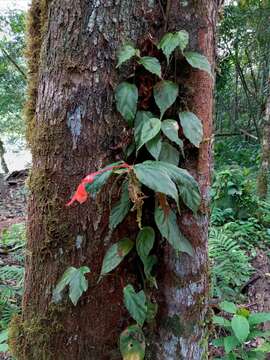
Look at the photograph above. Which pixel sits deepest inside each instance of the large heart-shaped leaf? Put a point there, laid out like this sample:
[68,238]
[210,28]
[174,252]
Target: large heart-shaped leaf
[125,53]
[165,94]
[198,61]
[126,96]
[228,307]
[154,146]
[169,154]
[151,64]
[230,343]
[148,131]
[135,304]
[170,129]
[187,186]
[240,327]
[145,242]
[75,279]
[192,127]
[121,208]
[171,41]
[168,227]
[132,343]
[155,178]
[255,319]
[115,254]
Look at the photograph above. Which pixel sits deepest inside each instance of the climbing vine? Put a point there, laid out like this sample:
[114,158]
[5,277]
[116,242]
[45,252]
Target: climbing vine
[162,125]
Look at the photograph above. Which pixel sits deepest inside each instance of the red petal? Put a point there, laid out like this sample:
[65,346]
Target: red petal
[80,195]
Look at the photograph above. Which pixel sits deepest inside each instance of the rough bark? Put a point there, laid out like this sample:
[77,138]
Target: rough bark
[76,130]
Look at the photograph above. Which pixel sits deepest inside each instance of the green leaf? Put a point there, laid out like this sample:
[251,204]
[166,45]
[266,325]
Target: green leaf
[135,304]
[171,41]
[169,154]
[152,309]
[121,208]
[168,227]
[151,64]
[115,254]
[149,263]
[154,146]
[125,53]
[165,94]
[145,242]
[198,61]
[98,183]
[156,179]
[228,306]
[255,319]
[192,127]
[75,279]
[230,343]
[4,347]
[221,321]
[183,38]
[186,184]
[3,336]
[132,343]
[148,131]
[170,129]
[240,327]
[142,117]
[126,96]
[218,342]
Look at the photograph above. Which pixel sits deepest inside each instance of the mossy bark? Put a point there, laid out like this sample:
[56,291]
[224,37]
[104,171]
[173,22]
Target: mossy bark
[74,129]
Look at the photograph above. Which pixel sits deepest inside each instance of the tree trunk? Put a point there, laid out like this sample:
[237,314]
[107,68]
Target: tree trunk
[74,129]
[263,175]
[2,158]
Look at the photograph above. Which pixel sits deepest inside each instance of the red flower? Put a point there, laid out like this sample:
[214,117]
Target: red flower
[81,194]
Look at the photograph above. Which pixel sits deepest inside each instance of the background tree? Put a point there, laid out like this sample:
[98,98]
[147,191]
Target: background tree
[73,129]
[12,78]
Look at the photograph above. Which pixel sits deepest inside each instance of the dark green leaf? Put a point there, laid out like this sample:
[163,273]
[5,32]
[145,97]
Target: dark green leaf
[148,131]
[75,279]
[115,255]
[125,53]
[149,263]
[121,208]
[221,321]
[192,127]
[99,182]
[228,307]
[182,38]
[156,179]
[154,146]
[165,94]
[186,184]
[151,64]
[126,96]
[132,343]
[145,242]
[240,327]
[135,304]
[169,154]
[171,41]
[142,118]
[198,61]
[218,342]
[170,129]
[152,309]
[168,227]
[230,343]
[255,319]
